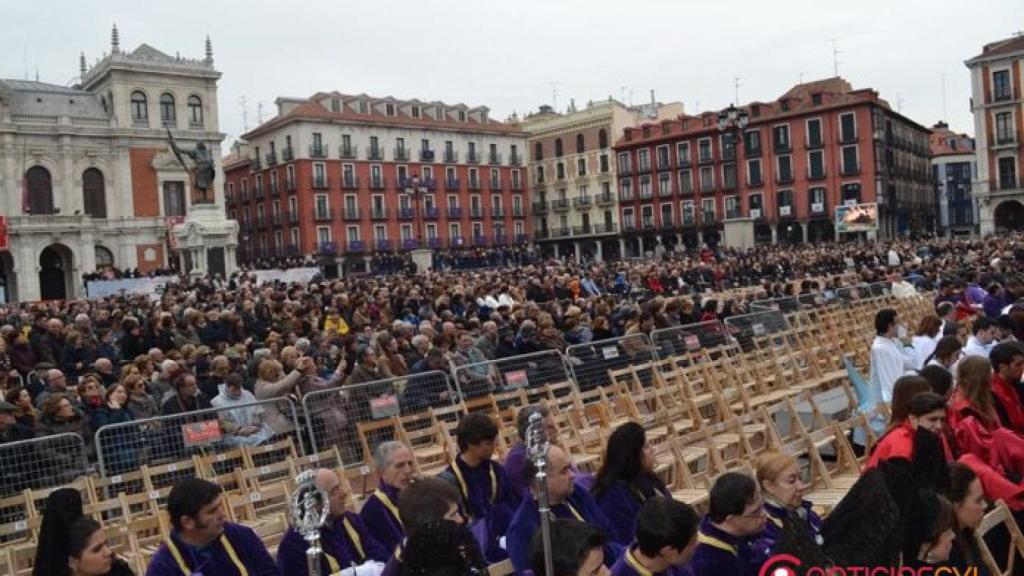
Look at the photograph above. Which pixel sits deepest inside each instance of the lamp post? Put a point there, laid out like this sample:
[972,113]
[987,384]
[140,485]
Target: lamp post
[417,190]
[731,123]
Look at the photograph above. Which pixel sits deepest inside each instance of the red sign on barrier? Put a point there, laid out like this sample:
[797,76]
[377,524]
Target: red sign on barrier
[201,433]
[3,232]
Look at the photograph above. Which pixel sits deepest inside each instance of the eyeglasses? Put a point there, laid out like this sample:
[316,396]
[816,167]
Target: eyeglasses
[758,513]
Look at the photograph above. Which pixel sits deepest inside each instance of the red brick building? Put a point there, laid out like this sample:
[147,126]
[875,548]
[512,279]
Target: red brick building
[344,176]
[820,145]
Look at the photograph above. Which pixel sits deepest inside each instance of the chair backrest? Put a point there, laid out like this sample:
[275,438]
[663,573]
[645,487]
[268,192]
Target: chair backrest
[1000,516]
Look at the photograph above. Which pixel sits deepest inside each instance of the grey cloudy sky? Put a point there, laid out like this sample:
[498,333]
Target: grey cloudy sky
[507,55]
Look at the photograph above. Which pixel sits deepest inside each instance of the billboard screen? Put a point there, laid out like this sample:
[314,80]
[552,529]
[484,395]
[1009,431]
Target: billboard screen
[856,218]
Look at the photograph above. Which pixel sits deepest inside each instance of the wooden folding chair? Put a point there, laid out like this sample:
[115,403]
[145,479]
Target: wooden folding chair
[1000,516]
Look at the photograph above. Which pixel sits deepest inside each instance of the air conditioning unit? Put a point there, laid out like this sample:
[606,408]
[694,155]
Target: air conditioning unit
[755,212]
[785,210]
[819,207]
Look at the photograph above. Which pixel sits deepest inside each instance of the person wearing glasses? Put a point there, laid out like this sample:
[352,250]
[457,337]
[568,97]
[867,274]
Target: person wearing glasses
[735,514]
[779,478]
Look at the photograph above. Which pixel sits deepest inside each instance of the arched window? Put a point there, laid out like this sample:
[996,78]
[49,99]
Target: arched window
[195,111]
[602,138]
[94,193]
[580,144]
[40,191]
[167,115]
[538,151]
[104,257]
[139,109]
[558,147]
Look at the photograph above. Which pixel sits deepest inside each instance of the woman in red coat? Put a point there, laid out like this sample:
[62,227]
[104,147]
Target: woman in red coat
[927,412]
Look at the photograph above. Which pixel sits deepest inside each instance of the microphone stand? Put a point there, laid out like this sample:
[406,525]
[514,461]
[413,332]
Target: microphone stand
[537,449]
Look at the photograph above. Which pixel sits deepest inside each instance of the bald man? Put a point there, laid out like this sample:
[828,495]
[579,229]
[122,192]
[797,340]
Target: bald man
[344,538]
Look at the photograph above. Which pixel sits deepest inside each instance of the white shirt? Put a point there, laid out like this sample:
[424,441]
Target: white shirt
[903,289]
[923,346]
[889,361]
[976,348]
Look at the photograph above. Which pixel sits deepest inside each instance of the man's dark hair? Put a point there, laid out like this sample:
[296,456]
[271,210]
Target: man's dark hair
[730,495]
[926,402]
[884,318]
[475,428]
[938,378]
[575,541]
[425,500]
[188,497]
[665,522]
[944,308]
[981,323]
[1004,353]
[523,417]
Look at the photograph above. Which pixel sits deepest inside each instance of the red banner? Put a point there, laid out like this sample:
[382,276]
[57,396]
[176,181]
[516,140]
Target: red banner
[3,232]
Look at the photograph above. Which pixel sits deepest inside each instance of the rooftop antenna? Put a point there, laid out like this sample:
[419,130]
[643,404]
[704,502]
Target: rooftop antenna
[259,112]
[736,89]
[554,95]
[81,67]
[622,93]
[943,95]
[245,113]
[24,56]
[899,102]
[801,81]
[835,56]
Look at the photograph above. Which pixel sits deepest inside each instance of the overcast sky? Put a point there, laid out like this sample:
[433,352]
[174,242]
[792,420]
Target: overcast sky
[516,55]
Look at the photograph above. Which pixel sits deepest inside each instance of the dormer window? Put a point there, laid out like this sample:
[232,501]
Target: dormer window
[462,116]
[363,108]
[390,108]
[415,111]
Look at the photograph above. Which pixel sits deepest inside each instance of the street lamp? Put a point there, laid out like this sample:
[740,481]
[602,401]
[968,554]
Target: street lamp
[417,189]
[732,119]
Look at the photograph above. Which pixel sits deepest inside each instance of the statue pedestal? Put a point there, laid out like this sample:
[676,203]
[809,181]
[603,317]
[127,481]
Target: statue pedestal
[738,233]
[206,241]
[423,259]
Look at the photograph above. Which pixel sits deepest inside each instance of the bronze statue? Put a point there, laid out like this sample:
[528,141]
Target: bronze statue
[203,170]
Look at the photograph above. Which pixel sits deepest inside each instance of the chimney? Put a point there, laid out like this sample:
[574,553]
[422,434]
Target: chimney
[81,67]
[652,96]
[115,41]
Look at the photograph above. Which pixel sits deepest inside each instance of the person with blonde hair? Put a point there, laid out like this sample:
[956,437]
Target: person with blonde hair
[782,485]
[272,383]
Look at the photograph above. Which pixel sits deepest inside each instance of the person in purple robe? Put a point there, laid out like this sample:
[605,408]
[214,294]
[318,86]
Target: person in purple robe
[380,513]
[344,539]
[779,478]
[202,541]
[666,537]
[482,482]
[565,502]
[579,551]
[735,514]
[626,480]
[426,500]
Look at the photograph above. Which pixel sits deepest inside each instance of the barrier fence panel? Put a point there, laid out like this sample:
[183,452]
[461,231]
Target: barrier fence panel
[590,362]
[357,417]
[862,292]
[172,439]
[748,329]
[533,370]
[689,338]
[41,463]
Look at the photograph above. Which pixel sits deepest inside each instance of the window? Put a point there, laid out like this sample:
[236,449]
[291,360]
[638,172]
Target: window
[515,180]
[40,191]
[580,144]
[732,207]
[784,166]
[708,205]
[167,114]
[704,150]
[643,160]
[1001,85]
[625,166]
[319,175]
[602,138]
[390,109]
[415,111]
[814,133]
[685,182]
[93,193]
[335,105]
[364,108]
[1004,128]
[295,237]
[628,219]
[780,138]
[816,99]
[785,203]
[1007,173]
[683,153]
[816,164]
[665,184]
[663,162]
[604,163]
[756,205]
[729,176]
[850,160]
[174,198]
[707,179]
[455,233]
[752,143]
[817,198]
[538,151]
[431,231]
[462,115]
[687,213]
[139,110]
[581,166]
[558,147]
[666,215]
[195,111]
[323,235]
[847,127]
[645,187]
[647,216]
[380,232]
[851,193]
[754,177]
[727,146]
[626,189]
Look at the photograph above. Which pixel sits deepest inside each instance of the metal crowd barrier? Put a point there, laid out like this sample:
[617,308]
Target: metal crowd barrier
[591,361]
[357,417]
[689,338]
[531,370]
[42,463]
[749,329]
[126,446]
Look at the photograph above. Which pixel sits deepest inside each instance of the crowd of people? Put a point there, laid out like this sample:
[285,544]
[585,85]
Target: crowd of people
[77,366]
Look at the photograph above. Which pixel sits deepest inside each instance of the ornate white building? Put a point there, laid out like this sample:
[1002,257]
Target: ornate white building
[87,179]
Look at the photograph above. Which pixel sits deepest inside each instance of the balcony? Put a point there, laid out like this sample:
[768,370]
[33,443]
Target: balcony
[665,191]
[275,190]
[321,183]
[426,155]
[451,157]
[707,188]
[560,205]
[646,193]
[289,185]
[756,213]
[456,241]
[626,196]
[352,214]
[497,212]
[604,199]
[689,220]
[378,183]
[752,151]
[271,158]
[667,224]
[473,157]
[728,154]
[784,178]
[709,218]
[479,241]
[850,170]
[476,212]
[1007,183]
[817,208]
[261,222]
[406,214]
[1000,95]
[379,213]
[275,220]
[517,211]
[540,207]
[348,152]
[293,217]
[260,194]
[816,174]
[1003,140]
[786,212]
[435,242]
[500,239]
[292,250]
[413,183]
[376,154]
[327,248]
[522,238]
[355,246]
[350,182]
[625,171]
[847,138]
[431,212]
[455,212]
[255,164]
[704,158]
[287,154]
[318,151]
[494,158]
[494,185]
[323,214]
[517,186]
[561,232]
[582,202]
[452,184]
[782,147]
[647,223]
[814,143]
[603,228]
[411,244]
[515,160]
[382,244]
[756,180]
[401,154]
[629,226]
[581,230]
[474,185]
[644,168]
